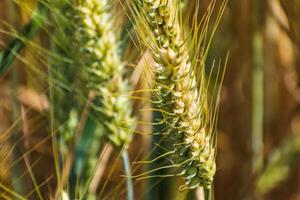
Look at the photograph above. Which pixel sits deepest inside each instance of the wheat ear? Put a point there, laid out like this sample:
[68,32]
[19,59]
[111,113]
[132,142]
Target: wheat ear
[183,102]
[90,44]
[103,70]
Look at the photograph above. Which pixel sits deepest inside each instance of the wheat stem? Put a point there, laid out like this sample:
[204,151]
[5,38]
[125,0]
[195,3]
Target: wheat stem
[126,165]
[207,193]
[257,89]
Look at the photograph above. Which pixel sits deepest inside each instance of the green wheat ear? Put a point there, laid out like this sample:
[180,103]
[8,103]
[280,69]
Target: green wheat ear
[103,73]
[91,45]
[103,70]
[182,97]
[86,34]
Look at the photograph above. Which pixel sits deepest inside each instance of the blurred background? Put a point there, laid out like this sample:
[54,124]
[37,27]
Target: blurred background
[259,119]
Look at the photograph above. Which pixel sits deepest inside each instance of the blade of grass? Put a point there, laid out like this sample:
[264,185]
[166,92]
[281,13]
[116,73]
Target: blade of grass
[8,55]
[279,165]
[81,150]
[257,89]
[125,35]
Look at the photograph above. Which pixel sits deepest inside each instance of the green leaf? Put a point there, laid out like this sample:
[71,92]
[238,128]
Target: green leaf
[9,54]
[279,165]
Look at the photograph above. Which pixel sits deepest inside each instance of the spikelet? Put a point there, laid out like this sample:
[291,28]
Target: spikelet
[103,71]
[183,102]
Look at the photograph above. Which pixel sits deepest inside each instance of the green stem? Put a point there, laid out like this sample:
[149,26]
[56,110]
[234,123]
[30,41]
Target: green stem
[207,193]
[191,195]
[257,89]
[9,54]
[82,149]
[158,188]
[126,165]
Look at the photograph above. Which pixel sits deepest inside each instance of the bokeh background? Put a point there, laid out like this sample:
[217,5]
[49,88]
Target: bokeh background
[259,120]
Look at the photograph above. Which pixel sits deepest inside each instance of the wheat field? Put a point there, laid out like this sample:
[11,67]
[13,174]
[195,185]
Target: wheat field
[149,99]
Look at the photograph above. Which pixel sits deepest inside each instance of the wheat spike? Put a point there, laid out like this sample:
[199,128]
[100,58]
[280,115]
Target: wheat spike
[184,103]
[90,42]
[103,70]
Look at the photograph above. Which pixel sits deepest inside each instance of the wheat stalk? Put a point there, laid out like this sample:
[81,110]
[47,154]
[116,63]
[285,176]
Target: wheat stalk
[183,102]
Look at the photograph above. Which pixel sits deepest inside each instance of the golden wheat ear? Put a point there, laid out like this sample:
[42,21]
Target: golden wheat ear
[183,97]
